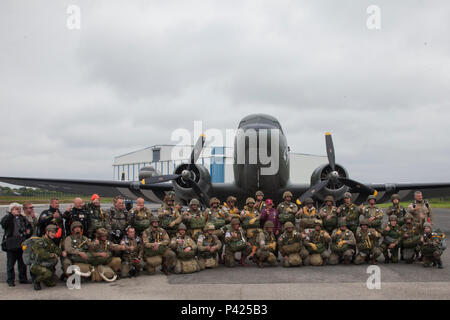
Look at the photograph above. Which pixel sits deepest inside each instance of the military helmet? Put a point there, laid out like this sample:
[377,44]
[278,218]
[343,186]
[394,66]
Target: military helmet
[194,201]
[427,224]
[214,200]
[169,196]
[395,196]
[342,222]
[75,224]
[209,226]
[364,221]
[154,219]
[393,217]
[329,198]
[250,200]
[371,197]
[269,224]
[182,226]
[347,195]
[287,194]
[309,201]
[288,225]
[408,216]
[235,221]
[51,227]
[259,193]
[101,232]
[318,222]
[231,198]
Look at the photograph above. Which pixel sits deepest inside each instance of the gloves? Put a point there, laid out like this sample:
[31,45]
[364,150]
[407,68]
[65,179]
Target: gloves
[252,221]
[273,246]
[341,243]
[313,246]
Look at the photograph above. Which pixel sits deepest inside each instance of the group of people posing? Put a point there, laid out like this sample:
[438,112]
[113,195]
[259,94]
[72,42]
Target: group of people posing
[106,245]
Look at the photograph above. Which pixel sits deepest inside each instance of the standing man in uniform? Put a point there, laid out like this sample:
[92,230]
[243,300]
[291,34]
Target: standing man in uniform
[194,220]
[28,213]
[287,210]
[260,204]
[140,216]
[328,214]
[230,207]
[169,214]
[52,216]
[308,215]
[372,213]
[77,213]
[421,211]
[96,216]
[349,212]
[396,209]
[116,220]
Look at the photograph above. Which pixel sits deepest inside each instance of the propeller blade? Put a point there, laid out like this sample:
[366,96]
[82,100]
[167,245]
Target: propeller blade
[313,190]
[357,186]
[197,150]
[203,196]
[330,150]
[158,179]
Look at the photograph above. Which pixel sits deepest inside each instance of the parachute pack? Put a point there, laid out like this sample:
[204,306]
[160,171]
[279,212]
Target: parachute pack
[28,256]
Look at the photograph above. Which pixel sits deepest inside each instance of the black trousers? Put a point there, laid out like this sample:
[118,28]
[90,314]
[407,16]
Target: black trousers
[13,256]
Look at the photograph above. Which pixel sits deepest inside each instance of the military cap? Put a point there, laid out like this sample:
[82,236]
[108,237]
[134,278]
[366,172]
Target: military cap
[427,224]
[347,195]
[287,194]
[194,201]
[235,221]
[154,219]
[101,232]
[342,222]
[364,221]
[249,200]
[395,196]
[393,217]
[182,226]
[269,224]
[213,200]
[259,193]
[371,197]
[318,222]
[231,198]
[51,227]
[329,198]
[408,216]
[209,226]
[309,201]
[169,196]
[288,225]
[76,224]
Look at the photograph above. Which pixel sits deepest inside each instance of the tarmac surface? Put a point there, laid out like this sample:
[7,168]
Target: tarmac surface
[398,281]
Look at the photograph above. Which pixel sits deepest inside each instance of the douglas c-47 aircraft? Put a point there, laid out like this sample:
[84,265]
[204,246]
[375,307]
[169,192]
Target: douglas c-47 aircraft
[192,180]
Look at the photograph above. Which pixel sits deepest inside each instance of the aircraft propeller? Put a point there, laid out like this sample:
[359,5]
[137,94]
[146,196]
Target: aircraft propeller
[334,176]
[187,174]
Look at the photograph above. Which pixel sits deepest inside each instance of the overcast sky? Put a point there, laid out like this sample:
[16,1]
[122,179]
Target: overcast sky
[71,100]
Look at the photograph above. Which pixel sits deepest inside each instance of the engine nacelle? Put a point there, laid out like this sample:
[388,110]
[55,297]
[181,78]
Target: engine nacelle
[147,172]
[199,174]
[334,188]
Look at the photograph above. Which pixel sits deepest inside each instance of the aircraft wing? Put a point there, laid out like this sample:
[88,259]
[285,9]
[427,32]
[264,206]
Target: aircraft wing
[128,189]
[406,190]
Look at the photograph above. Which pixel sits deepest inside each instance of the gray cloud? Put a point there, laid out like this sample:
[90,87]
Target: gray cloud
[136,71]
